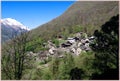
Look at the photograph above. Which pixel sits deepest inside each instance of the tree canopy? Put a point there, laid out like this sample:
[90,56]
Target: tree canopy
[106,47]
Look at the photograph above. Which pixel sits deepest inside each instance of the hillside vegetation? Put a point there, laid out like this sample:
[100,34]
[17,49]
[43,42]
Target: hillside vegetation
[39,60]
[88,14]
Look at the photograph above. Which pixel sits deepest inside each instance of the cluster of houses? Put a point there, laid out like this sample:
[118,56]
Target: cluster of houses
[74,45]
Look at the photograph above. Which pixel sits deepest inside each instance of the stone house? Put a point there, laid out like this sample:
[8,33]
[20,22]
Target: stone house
[78,51]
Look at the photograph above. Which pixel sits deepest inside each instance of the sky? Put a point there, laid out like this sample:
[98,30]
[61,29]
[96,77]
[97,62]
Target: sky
[34,13]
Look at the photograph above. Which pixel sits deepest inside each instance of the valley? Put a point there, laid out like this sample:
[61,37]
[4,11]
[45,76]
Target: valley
[80,44]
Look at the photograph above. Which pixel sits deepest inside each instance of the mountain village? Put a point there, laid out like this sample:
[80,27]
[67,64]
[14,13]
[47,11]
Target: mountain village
[73,45]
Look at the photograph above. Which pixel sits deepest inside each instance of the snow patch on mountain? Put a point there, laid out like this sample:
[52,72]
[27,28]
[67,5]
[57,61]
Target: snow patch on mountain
[10,22]
[11,27]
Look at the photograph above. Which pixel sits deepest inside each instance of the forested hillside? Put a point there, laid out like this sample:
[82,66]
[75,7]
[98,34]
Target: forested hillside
[88,14]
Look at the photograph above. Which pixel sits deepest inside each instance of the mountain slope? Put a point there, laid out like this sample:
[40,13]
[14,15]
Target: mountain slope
[89,14]
[10,27]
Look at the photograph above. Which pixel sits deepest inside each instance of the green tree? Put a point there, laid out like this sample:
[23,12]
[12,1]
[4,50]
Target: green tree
[56,42]
[66,65]
[54,67]
[76,74]
[77,28]
[14,58]
[106,48]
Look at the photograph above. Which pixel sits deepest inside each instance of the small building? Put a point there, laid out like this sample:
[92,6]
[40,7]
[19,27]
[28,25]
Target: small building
[78,51]
[82,41]
[71,40]
[92,38]
[79,44]
[87,40]
[86,45]
[66,45]
[76,39]
[52,50]
[73,50]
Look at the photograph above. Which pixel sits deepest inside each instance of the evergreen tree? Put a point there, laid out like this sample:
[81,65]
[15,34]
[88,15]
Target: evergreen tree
[106,47]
